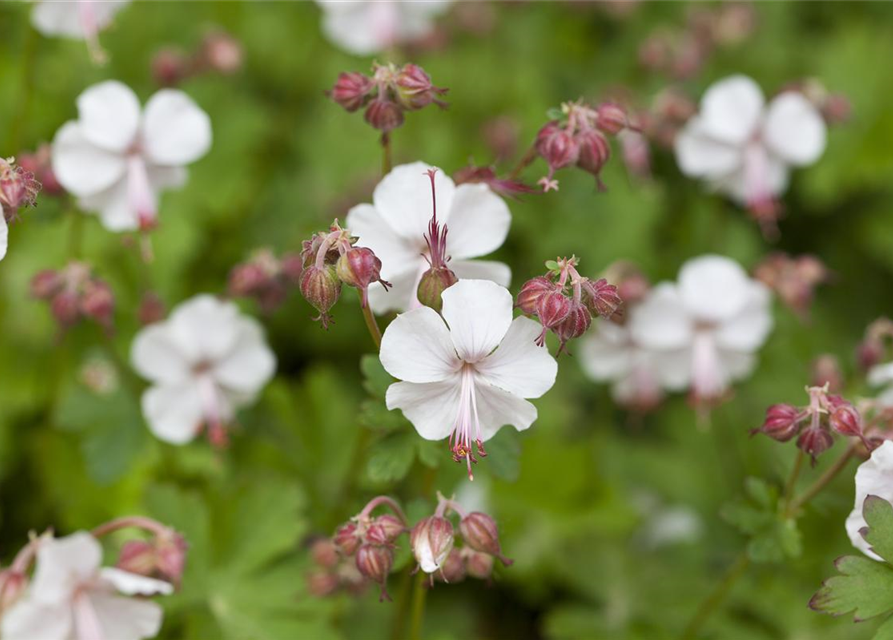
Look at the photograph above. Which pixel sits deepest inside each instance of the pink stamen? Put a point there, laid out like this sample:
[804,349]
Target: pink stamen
[466,433]
[708,378]
[756,181]
[139,192]
[213,413]
[437,233]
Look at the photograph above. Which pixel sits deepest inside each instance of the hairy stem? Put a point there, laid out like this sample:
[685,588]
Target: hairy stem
[417,613]
[386,161]
[371,323]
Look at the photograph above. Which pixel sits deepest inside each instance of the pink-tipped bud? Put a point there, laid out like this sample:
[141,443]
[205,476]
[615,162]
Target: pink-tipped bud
[479,565]
[414,88]
[453,569]
[846,421]
[574,325]
[322,583]
[531,291]
[321,287]
[347,539]
[351,90]
[98,302]
[45,284]
[374,561]
[594,151]
[221,52]
[384,115]
[600,297]
[552,308]
[432,285]
[324,553]
[611,118]
[163,557]
[385,529]
[292,266]
[151,309]
[65,307]
[169,67]
[431,540]
[247,279]
[359,267]
[781,423]
[814,441]
[479,531]
[837,109]
[556,146]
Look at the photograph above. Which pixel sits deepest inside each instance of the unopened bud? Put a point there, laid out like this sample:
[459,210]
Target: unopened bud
[384,115]
[374,562]
[556,146]
[351,89]
[169,67]
[18,188]
[479,531]
[385,529]
[814,441]
[611,118]
[45,284]
[321,288]
[359,267]
[151,309]
[322,583]
[600,297]
[531,292]
[433,283]
[248,278]
[65,307]
[826,371]
[221,52]
[869,353]
[594,151]
[98,303]
[552,308]
[347,539]
[846,421]
[431,540]
[781,423]
[324,553]
[163,557]
[574,325]
[479,565]
[414,88]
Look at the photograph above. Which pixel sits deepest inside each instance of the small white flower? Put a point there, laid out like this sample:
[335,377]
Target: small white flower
[743,147]
[116,160]
[205,361]
[72,597]
[466,374]
[79,19]
[365,27]
[881,375]
[394,227]
[718,314]
[874,477]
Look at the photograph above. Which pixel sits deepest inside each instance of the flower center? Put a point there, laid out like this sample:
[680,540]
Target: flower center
[467,427]
[708,377]
[212,408]
[758,191]
[139,192]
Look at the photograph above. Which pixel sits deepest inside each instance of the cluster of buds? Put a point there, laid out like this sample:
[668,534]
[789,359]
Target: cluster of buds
[873,348]
[161,556]
[387,94]
[793,279]
[577,136]
[331,258]
[266,278]
[334,571]
[564,301]
[18,188]
[814,424]
[219,52]
[74,293]
[434,544]
[682,53]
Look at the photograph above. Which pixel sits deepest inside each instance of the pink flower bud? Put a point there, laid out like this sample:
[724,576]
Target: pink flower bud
[374,562]
[65,307]
[551,309]
[163,557]
[385,529]
[151,309]
[321,288]
[359,267]
[814,441]
[432,285]
[221,52]
[414,88]
[611,118]
[292,266]
[137,556]
[324,553]
[574,325]
[247,279]
[781,423]
[347,539]
[531,291]
[869,353]
[602,299]
[322,583]
[479,565]
[431,540]
[556,146]
[351,90]
[479,531]
[453,569]
[826,370]
[98,302]
[45,284]
[594,151]
[18,188]
[384,115]
[846,421]
[169,67]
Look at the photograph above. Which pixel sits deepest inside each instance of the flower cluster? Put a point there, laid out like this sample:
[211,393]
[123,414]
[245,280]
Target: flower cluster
[74,293]
[564,302]
[18,189]
[577,136]
[218,52]
[388,94]
[266,278]
[793,279]
[331,258]
[814,424]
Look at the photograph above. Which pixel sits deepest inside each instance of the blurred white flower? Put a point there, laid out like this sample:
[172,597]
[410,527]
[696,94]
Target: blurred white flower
[881,375]
[4,236]
[80,19]
[394,227]
[72,597]
[743,147]
[205,361]
[874,477]
[466,374]
[715,312]
[116,160]
[365,27]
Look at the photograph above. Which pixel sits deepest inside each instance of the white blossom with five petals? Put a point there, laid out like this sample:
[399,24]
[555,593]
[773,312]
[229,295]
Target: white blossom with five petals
[469,372]
[72,597]
[716,314]
[365,27]
[744,147]
[78,19]
[394,227]
[205,361]
[117,159]
[874,477]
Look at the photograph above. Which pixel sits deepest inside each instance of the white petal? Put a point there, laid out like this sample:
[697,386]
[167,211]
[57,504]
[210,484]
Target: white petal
[497,272]
[880,374]
[737,365]
[126,618]
[132,584]
[713,288]
[4,236]
[661,321]
[479,222]
[874,477]
[497,408]
[348,25]
[774,181]
[205,327]
[731,109]
[62,565]
[174,413]
[518,365]
[57,19]
[114,208]
[747,329]
[250,364]
[671,368]
[794,129]
[395,252]
[109,115]
[157,356]
[80,166]
[175,130]
[416,347]
[161,177]
[607,353]
[403,199]
[431,407]
[29,620]
[401,296]
[479,313]
[700,155]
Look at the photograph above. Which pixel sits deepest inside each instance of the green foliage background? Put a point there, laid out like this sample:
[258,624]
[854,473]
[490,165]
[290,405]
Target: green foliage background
[569,493]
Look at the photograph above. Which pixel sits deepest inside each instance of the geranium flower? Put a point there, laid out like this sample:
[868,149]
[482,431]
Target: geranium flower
[466,374]
[80,19]
[116,160]
[204,362]
[72,597]
[874,477]
[364,27]
[394,227]
[718,314]
[743,147]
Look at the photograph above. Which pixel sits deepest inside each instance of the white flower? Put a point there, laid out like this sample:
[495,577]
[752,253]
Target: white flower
[874,477]
[72,597]
[116,160]
[881,375]
[205,361]
[718,314]
[394,227]
[365,27]
[4,236]
[80,19]
[469,372]
[743,147]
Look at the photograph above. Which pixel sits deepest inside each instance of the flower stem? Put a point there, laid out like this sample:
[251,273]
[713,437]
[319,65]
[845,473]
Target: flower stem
[822,481]
[371,323]
[716,597]
[400,612]
[525,161]
[386,162]
[417,613]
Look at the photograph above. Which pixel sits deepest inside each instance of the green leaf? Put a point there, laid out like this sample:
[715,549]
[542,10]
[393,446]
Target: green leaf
[878,513]
[865,588]
[375,415]
[430,452]
[391,458]
[885,631]
[504,455]
[773,537]
[551,265]
[375,379]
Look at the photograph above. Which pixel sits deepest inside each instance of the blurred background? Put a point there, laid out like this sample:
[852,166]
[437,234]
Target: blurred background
[613,519]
